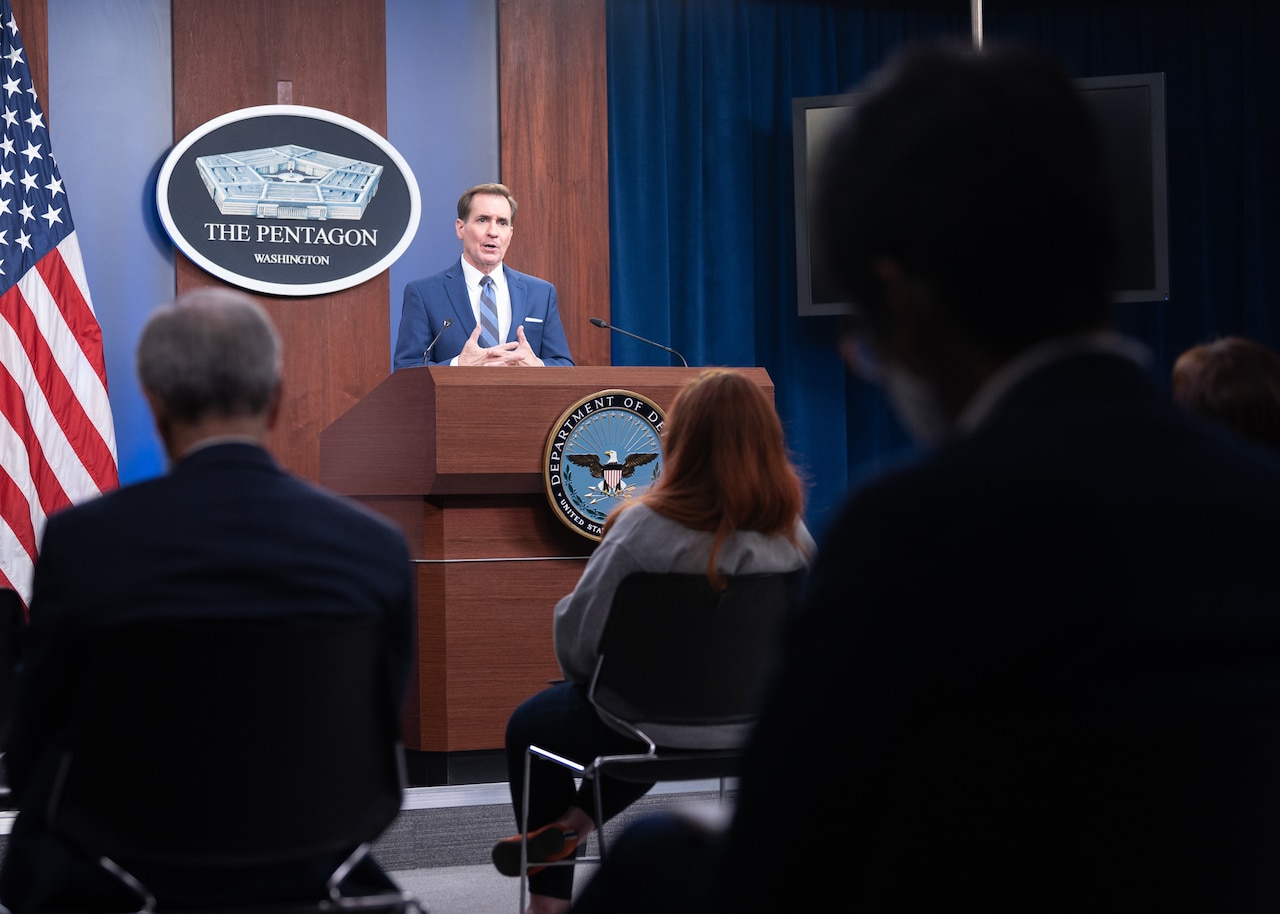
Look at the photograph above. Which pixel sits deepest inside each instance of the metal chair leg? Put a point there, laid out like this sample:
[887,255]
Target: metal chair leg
[524,831]
[529,755]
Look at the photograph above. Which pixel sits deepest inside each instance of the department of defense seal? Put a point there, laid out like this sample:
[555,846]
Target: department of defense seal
[604,451]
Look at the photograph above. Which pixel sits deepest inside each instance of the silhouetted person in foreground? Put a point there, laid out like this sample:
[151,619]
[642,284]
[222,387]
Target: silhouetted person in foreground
[1038,668]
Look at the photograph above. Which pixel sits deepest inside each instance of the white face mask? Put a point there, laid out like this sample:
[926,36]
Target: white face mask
[916,405]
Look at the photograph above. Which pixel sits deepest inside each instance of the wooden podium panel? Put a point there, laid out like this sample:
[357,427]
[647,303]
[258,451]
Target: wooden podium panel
[454,457]
[491,571]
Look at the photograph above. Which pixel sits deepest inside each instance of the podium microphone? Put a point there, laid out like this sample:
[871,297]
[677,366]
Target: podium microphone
[443,327]
[608,326]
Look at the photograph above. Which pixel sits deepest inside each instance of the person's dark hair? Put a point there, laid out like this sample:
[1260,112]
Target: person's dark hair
[725,466]
[213,351]
[1235,382]
[501,190]
[980,173]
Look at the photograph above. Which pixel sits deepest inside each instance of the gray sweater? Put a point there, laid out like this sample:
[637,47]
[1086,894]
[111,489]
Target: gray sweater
[642,540]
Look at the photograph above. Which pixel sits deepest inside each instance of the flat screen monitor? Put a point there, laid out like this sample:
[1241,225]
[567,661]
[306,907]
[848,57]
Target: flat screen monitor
[1131,114]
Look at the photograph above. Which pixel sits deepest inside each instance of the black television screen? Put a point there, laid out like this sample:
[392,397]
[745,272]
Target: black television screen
[1130,112]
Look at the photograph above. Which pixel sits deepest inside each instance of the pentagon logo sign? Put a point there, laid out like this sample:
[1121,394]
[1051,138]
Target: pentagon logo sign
[288,200]
[604,451]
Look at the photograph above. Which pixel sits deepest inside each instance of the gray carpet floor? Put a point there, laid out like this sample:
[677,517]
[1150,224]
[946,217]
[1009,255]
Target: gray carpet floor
[466,889]
[441,854]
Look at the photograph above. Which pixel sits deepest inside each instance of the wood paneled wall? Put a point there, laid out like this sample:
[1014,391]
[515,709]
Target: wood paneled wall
[326,54]
[554,116]
[32,17]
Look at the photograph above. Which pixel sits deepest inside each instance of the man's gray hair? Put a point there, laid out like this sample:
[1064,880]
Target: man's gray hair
[212,351]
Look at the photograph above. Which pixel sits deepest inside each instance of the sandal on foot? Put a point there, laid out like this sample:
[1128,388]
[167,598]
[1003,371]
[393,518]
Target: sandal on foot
[546,845]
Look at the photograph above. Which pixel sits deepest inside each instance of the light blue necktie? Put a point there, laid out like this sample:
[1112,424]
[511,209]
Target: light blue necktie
[488,313]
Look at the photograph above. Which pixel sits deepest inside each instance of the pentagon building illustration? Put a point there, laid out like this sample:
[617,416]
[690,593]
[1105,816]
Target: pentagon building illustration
[289,182]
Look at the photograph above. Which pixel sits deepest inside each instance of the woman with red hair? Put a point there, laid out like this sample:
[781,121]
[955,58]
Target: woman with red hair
[728,502]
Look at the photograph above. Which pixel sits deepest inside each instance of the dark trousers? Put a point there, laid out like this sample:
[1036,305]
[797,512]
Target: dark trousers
[562,720]
[661,862]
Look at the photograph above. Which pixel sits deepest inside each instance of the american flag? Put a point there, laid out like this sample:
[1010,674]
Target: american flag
[57,439]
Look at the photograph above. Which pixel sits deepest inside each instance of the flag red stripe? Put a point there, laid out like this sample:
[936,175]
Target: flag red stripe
[68,411]
[75,310]
[48,487]
[17,514]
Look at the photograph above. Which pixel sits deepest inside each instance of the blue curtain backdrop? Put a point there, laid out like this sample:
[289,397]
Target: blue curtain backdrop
[703,243]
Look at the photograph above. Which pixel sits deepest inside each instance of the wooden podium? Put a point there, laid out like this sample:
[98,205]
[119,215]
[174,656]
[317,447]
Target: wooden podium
[453,456]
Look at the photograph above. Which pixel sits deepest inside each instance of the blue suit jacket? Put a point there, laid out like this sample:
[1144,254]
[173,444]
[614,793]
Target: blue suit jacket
[226,532]
[429,302]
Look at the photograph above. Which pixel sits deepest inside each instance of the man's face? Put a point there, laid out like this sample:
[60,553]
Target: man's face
[487,231]
[897,355]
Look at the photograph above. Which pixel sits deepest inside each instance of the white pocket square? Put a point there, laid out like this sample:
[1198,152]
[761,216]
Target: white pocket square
[533,320]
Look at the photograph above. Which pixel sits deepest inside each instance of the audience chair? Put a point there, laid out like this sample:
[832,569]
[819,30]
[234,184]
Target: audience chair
[231,751]
[675,651]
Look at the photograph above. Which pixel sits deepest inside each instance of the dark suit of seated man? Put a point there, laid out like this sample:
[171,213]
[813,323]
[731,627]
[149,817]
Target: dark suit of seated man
[225,531]
[445,319]
[1037,668]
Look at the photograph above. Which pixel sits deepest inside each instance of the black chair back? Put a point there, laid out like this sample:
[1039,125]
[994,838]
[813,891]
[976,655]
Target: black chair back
[221,743]
[677,651]
[12,623]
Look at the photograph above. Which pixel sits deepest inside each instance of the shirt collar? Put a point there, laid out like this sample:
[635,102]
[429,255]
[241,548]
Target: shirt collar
[473,276]
[214,440]
[1022,366]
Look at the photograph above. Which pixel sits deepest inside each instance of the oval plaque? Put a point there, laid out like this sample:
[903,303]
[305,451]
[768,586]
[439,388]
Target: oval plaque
[288,200]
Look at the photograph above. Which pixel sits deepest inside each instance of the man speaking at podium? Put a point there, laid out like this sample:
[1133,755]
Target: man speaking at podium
[479,311]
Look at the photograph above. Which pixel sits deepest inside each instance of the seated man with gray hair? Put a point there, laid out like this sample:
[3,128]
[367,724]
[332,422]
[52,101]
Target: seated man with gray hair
[225,531]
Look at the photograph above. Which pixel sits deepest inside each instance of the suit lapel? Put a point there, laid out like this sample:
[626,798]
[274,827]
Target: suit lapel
[456,289]
[519,299]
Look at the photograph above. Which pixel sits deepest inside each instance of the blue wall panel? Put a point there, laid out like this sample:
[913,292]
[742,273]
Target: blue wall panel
[442,114]
[111,119]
